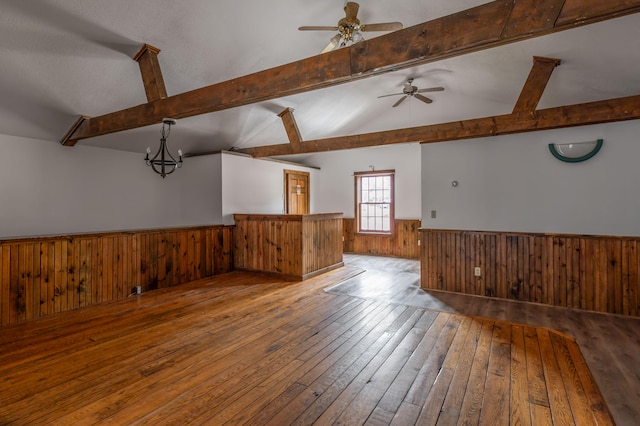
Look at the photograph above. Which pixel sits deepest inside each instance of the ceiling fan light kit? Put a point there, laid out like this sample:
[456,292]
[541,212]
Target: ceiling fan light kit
[350,29]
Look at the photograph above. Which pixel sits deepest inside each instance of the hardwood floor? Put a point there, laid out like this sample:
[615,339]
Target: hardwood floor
[610,343]
[245,348]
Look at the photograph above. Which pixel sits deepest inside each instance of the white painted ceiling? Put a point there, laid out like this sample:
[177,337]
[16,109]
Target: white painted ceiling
[63,58]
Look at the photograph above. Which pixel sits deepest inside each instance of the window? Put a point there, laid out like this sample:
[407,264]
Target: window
[374,201]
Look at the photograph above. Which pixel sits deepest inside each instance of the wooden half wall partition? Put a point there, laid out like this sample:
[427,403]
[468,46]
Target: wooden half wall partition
[596,273]
[403,241]
[293,246]
[43,276]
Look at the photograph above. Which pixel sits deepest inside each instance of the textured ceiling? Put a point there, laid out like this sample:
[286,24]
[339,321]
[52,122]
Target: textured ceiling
[65,58]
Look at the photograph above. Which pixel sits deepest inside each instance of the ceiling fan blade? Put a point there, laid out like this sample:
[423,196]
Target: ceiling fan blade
[392,94]
[399,101]
[332,43]
[386,26]
[431,89]
[423,98]
[351,10]
[318,28]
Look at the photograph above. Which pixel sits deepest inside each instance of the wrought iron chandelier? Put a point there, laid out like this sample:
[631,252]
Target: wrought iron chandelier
[163,162]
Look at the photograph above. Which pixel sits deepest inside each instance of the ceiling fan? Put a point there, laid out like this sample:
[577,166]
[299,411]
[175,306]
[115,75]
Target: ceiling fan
[411,90]
[349,28]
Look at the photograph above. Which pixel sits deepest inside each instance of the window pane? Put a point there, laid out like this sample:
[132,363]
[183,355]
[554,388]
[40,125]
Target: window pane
[374,202]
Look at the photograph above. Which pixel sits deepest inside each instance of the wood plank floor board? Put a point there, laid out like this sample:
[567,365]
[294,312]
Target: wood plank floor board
[495,407]
[519,408]
[295,392]
[437,346]
[580,406]
[94,360]
[173,359]
[432,407]
[169,350]
[610,344]
[247,348]
[338,396]
[395,394]
[558,399]
[238,378]
[367,399]
[450,411]
[600,413]
[342,372]
[364,337]
[537,388]
[332,337]
[407,414]
[334,367]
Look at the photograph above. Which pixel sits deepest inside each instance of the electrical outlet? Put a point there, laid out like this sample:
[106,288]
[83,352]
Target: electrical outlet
[418,242]
[138,289]
[477,271]
[433,214]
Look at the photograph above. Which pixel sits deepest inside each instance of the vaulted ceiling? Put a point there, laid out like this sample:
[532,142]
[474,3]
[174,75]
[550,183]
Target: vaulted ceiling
[61,59]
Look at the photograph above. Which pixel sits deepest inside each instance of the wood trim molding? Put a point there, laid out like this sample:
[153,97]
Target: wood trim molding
[482,27]
[286,217]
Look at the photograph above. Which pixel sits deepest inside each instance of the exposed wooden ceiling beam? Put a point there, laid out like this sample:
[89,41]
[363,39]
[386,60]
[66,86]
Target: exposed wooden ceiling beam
[291,128]
[152,79]
[535,84]
[489,25]
[619,109]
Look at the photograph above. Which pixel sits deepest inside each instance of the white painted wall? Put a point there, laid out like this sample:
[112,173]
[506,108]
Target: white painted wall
[46,188]
[336,184]
[200,190]
[257,186]
[513,183]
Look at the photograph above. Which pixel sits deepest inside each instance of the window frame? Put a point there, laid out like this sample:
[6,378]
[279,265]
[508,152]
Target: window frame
[357,201]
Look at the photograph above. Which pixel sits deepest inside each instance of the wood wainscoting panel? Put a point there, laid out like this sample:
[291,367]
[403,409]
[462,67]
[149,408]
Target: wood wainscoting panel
[596,273]
[293,246]
[322,242]
[42,276]
[403,242]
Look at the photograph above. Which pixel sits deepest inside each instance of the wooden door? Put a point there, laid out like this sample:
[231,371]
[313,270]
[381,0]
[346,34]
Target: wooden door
[297,192]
